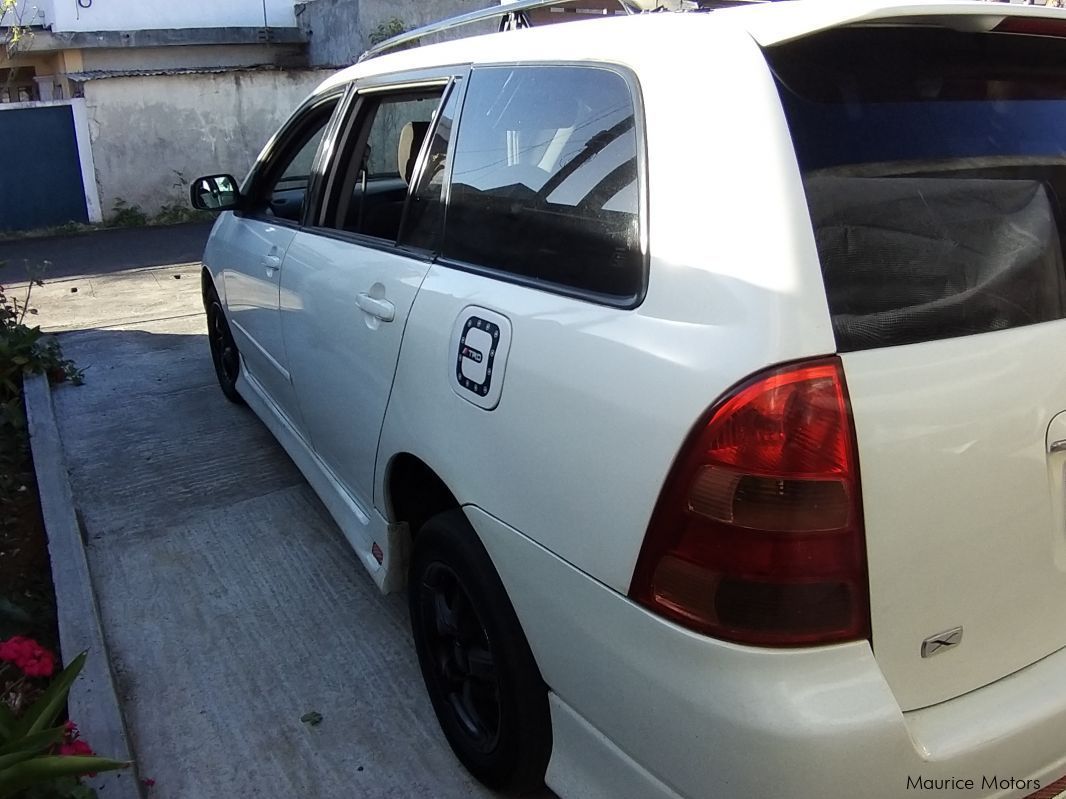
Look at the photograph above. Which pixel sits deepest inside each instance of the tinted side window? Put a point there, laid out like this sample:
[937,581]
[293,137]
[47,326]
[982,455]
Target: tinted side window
[378,161]
[282,190]
[545,179]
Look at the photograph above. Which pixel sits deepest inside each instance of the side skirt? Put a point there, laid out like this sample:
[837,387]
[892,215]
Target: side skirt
[362,528]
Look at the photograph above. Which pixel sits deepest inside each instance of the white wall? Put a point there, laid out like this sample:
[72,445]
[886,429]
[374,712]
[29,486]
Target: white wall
[147,130]
[113,15]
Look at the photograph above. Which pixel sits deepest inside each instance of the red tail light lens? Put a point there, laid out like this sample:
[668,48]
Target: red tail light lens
[757,536]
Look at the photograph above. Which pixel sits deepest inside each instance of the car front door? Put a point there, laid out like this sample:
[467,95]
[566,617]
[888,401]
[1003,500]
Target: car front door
[349,283]
[253,247]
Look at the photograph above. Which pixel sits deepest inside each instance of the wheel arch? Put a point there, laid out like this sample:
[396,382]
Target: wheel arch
[210,282]
[415,492]
[207,284]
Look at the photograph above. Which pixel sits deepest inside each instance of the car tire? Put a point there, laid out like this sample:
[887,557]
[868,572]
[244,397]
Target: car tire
[224,353]
[482,679]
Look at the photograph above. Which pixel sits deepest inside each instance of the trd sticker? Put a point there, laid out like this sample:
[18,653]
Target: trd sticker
[480,343]
[477,353]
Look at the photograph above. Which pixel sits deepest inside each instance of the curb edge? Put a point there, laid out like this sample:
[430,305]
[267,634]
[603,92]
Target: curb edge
[93,701]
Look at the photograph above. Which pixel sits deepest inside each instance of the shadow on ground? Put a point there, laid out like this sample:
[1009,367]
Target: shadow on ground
[103,252]
[231,603]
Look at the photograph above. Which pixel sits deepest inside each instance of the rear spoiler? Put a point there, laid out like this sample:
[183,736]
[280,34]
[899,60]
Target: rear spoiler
[776,23]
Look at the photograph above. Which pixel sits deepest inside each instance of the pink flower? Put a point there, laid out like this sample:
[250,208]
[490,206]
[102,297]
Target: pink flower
[28,655]
[42,664]
[70,731]
[76,749]
[12,649]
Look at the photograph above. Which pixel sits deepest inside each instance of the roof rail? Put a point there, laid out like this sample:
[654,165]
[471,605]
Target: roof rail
[514,10]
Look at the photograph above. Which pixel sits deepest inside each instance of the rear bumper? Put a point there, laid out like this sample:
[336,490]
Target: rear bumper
[643,708]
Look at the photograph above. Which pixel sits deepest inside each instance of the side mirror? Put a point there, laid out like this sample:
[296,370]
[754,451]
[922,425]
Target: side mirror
[215,193]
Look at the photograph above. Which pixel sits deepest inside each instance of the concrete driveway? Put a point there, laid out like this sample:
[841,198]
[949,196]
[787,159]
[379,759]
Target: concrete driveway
[231,604]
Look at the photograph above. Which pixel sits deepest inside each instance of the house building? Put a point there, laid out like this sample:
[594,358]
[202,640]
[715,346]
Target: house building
[338,31]
[118,103]
[89,36]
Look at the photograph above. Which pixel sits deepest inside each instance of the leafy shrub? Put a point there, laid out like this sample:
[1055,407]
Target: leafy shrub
[23,350]
[386,30]
[37,758]
[176,213]
[125,215]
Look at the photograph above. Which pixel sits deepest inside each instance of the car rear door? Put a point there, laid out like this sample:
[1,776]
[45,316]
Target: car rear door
[935,166]
[349,283]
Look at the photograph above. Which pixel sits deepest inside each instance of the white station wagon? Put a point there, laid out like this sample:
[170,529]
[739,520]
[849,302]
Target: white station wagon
[701,377]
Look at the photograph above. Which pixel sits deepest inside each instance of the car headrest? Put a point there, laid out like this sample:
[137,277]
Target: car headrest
[411,138]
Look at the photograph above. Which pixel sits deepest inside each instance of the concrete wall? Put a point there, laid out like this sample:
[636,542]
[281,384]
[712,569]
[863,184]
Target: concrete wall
[149,133]
[332,27]
[340,30]
[112,15]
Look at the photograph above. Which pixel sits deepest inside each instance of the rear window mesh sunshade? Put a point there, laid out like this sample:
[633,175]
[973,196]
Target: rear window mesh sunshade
[916,259]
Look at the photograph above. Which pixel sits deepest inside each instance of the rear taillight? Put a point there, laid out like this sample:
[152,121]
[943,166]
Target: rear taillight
[757,536]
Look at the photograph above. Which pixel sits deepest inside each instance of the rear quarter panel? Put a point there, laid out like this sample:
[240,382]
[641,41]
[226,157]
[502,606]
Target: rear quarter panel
[596,400]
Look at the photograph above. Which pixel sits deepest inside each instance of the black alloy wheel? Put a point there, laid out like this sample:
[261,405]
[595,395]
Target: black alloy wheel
[465,669]
[224,352]
[479,671]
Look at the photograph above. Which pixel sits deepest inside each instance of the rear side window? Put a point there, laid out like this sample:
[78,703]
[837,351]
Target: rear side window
[545,180]
[933,165]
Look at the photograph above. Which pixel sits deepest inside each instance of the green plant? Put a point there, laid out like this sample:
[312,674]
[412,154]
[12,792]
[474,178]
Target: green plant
[125,215]
[37,758]
[23,350]
[11,17]
[176,213]
[180,211]
[386,30]
[67,228]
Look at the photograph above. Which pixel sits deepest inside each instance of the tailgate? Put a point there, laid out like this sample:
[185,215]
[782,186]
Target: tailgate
[962,505]
[935,170]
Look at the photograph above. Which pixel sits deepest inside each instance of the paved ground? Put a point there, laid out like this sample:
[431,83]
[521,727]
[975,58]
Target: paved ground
[103,252]
[231,604]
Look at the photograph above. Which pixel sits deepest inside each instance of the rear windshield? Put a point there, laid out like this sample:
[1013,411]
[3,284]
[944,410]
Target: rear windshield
[934,163]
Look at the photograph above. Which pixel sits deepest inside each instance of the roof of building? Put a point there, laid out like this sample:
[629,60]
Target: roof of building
[104,74]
